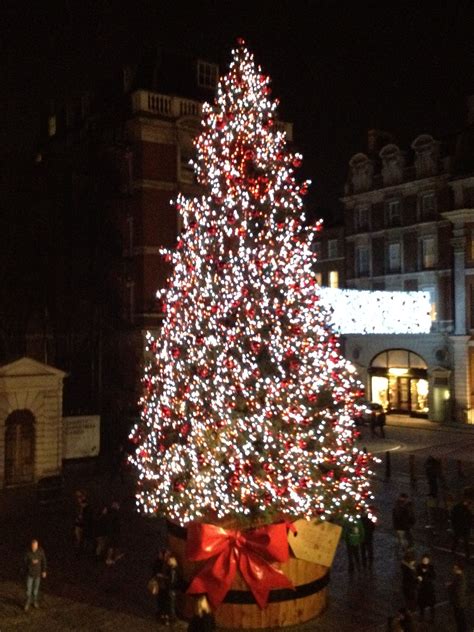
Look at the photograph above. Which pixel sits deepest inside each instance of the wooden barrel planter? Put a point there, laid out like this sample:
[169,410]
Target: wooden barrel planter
[239,610]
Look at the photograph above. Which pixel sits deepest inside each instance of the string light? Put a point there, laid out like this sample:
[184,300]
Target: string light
[248,404]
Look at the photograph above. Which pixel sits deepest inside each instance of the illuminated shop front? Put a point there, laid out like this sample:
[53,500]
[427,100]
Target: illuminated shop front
[399,381]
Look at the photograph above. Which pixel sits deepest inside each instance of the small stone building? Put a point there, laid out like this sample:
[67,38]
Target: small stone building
[30,422]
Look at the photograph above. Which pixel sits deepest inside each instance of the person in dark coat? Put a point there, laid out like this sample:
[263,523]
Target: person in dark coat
[426,590]
[409,582]
[461,523]
[203,620]
[101,531]
[35,568]
[457,596]
[113,533]
[170,589]
[160,574]
[433,475]
[403,518]
[367,545]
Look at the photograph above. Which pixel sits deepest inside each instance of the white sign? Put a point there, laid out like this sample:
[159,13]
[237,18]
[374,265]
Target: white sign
[81,436]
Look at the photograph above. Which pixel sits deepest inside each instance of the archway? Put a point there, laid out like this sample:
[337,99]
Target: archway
[399,381]
[19,447]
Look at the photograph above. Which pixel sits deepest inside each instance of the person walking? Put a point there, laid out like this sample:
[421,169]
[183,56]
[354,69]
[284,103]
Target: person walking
[353,535]
[457,596]
[403,518]
[35,567]
[426,590]
[203,620]
[461,523]
[367,544]
[409,582]
[101,532]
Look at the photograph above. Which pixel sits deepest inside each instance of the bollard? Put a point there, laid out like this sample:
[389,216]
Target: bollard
[388,466]
[411,466]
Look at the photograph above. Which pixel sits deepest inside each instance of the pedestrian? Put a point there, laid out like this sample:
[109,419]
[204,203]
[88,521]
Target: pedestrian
[457,596]
[426,590]
[403,518]
[101,532]
[84,523]
[203,620]
[409,581]
[353,535]
[367,544]
[159,573]
[461,523]
[433,475]
[170,588]
[113,533]
[35,568]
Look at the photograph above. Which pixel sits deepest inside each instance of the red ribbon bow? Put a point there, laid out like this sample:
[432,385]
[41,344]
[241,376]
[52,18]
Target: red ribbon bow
[228,550]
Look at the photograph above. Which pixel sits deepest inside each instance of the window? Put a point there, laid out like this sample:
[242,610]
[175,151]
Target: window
[333,280]
[428,254]
[207,75]
[394,213]
[427,205]
[362,261]
[332,249]
[394,257]
[317,249]
[319,278]
[362,218]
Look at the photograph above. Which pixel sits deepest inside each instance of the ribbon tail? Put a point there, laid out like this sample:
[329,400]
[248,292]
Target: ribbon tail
[215,579]
[261,577]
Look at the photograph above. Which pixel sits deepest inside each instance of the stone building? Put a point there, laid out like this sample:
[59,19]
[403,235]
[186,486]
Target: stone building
[409,225]
[30,422]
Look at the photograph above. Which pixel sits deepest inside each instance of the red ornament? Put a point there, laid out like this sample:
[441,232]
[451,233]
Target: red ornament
[212,230]
[199,340]
[166,411]
[297,162]
[231,219]
[175,352]
[220,123]
[203,371]
[240,41]
[304,189]
[255,346]
[185,428]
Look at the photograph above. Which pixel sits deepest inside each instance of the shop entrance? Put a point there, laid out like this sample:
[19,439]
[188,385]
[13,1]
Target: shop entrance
[399,381]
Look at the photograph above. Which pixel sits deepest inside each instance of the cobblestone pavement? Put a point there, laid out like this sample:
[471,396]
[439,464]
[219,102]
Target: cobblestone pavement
[81,594]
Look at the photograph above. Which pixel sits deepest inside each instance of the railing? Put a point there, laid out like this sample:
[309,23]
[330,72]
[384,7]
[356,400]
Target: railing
[176,107]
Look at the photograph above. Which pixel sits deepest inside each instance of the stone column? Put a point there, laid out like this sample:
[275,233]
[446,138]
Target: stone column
[458,242]
[460,387]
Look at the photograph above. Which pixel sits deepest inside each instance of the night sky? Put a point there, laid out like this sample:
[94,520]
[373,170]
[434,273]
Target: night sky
[338,68]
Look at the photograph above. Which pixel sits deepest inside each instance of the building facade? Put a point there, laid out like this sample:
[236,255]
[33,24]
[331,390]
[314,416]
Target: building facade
[409,225]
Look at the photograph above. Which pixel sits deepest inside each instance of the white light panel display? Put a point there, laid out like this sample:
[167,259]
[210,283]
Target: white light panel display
[378,312]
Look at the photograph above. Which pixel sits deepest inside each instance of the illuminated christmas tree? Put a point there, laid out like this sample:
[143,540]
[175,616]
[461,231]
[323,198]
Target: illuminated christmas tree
[248,404]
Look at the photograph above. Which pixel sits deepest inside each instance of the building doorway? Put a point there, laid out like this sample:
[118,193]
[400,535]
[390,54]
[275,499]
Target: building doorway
[399,381]
[19,447]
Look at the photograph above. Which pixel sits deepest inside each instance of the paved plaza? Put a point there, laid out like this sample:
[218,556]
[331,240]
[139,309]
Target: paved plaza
[82,594]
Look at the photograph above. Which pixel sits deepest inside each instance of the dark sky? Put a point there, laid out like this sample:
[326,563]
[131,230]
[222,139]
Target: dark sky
[338,68]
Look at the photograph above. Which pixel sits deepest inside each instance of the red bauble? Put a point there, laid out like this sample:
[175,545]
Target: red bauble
[199,340]
[249,154]
[185,428]
[267,90]
[297,162]
[240,41]
[294,365]
[175,352]
[255,346]
[220,123]
[166,411]
[231,219]
[304,189]
[212,230]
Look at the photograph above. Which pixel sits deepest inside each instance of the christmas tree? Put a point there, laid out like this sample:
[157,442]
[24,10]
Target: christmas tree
[248,404]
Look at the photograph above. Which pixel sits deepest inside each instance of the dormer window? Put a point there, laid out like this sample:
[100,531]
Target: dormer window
[207,75]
